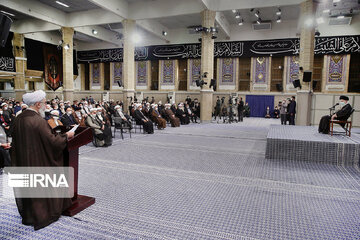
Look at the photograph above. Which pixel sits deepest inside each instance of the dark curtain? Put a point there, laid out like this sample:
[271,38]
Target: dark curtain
[35,57]
[258,104]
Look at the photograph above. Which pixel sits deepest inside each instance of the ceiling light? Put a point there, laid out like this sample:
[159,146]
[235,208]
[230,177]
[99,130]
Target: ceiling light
[258,21]
[234,10]
[136,38]
[94,31]
[326,11]
[7,13]
[320,20]
[278,20]
[309,22]
[164,33]
[257,14]
[241,22]
[237,16]
[62,4]
[278,12]
[336,1]
[341,16]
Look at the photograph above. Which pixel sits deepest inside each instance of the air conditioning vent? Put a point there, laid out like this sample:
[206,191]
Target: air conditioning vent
[340,21]
[262,26]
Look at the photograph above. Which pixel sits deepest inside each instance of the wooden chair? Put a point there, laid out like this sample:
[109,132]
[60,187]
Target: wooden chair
[347,125]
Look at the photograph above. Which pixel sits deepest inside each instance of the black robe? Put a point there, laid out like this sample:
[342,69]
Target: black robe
[343,114]
[140,120]
[34,145]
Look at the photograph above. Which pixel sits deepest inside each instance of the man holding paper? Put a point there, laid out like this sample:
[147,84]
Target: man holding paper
[34,145]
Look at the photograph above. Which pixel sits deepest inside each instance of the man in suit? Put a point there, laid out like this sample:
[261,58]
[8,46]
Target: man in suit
[343,114]
[68,119]
[292,111]
[241,110]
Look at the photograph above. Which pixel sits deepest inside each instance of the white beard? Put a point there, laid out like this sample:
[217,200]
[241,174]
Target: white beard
[42,113]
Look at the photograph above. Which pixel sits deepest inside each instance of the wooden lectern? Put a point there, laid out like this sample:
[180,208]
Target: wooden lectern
[83,136]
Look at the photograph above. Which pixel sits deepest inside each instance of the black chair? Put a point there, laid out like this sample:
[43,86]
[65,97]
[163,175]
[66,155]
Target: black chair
[345,124]
[118,124]
[137,126]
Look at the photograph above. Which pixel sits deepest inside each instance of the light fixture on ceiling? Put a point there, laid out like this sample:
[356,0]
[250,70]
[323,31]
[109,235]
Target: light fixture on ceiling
[341,16]
[7,13]
[278,20]
[309,22]
[320,20]
[234,10]
[164,33]
[336,1]
[94,31]
[67,46]
[257,13]
[136,38]
[278,12]
[62,4]
[241,22]
[258,21]
[237,16]
[326,10]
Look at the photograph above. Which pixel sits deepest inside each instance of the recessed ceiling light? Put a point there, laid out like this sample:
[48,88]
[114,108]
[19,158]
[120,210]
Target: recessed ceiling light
[258,21]
[341,16]
[234,10]
[7,13]
[278,12]
[335,1]
[237,16]
[62,4]
[257,14]
[164,33]
[278,20]
[241,22]
[94,31]
[320,20]
[326,11]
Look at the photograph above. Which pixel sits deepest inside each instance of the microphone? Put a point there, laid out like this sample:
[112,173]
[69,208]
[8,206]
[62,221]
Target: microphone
[334,106]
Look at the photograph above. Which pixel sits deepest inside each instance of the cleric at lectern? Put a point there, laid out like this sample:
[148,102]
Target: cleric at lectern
[34,145]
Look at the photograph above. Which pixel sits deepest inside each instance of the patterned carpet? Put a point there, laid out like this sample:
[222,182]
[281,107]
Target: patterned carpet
[203,181]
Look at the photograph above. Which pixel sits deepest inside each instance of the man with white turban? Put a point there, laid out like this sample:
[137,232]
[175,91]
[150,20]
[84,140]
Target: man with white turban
[142,120]
[175,122]
[34,144]
[54,120]
[180,113]
[156,117]
[124,119]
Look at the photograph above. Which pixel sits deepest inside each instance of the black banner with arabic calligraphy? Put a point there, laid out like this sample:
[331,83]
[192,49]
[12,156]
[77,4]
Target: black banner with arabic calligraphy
[277,47]
[7,59]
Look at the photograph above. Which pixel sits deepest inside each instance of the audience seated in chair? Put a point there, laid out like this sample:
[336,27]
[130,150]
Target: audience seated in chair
[54,120]
[124,118]
[180,113]
[342,115]
[68,119]
[156,117]
[98,128]
[142,120]
[175,122]
[276,113]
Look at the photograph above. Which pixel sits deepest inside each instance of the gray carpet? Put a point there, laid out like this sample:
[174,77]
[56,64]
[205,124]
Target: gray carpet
[208,181]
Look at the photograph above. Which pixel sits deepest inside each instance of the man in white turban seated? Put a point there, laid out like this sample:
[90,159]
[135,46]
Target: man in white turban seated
[121,118]
[34,145]
[93,121]
[142,120]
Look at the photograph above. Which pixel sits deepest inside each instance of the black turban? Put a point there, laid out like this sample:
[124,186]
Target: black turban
[342,97]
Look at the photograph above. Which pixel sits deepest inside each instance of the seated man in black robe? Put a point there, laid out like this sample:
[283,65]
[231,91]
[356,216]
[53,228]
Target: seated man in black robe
[142,120]
[180,113]
[343,114]
[68,119]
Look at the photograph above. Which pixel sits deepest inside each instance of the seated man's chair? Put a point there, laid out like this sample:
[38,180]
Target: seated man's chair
[345,124]
[118,124]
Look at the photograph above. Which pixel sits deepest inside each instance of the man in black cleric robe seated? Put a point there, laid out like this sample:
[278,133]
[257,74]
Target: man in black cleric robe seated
[342,115]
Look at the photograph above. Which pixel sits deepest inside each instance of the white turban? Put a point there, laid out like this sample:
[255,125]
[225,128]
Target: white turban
[93,109]
[117,106]
[54,112]
[31,98]
[3,104]
[138,105]
[99,109]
